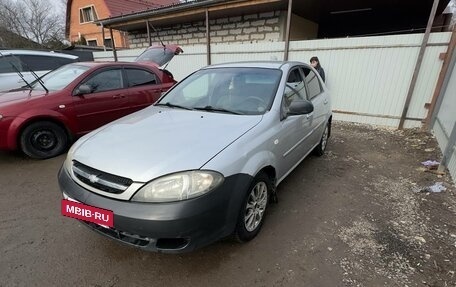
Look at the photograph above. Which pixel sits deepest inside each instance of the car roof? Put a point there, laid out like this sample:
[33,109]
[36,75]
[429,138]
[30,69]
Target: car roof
[256,64]
[37,53]
[111,63]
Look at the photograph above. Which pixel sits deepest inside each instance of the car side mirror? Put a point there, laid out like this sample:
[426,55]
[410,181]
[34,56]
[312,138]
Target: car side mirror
[302,107]
[82,90]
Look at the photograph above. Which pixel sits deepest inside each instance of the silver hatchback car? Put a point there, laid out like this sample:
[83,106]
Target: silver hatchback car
[203,162]
[17,66]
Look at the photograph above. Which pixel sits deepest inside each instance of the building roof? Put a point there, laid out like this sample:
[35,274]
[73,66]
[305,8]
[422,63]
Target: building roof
[121,7]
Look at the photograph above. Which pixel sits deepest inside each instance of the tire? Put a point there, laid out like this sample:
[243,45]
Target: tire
[321,147]
[251,216]
[41,140]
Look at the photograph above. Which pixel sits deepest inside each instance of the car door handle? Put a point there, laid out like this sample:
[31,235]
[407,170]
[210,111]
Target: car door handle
[309,115]
[325,102]
[121,96]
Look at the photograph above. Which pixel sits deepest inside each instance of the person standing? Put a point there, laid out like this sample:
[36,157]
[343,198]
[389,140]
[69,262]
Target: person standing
[314,62]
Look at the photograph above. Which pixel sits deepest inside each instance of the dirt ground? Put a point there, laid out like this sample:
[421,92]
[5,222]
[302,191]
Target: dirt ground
[359,216]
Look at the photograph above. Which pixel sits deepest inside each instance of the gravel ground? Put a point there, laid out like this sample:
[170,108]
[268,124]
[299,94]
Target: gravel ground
[361,215]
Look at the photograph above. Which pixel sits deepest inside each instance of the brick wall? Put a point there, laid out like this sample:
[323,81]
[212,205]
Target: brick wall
[262,27]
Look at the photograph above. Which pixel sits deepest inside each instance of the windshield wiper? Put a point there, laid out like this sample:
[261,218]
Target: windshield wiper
[168,104]
[213,109]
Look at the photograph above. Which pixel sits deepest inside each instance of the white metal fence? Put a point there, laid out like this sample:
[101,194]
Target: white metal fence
[368,77]
[445,121]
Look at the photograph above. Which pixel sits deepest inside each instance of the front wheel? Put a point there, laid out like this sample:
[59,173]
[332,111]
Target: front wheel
[41,140]
[251,216]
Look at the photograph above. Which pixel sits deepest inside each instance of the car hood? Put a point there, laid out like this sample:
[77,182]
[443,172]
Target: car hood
[18,96]
[159,55]
[159,141]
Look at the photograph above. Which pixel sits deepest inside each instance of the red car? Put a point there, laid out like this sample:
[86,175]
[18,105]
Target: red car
[42,119]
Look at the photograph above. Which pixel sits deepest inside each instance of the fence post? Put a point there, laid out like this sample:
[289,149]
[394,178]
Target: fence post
[287,31]
[113,45]
[208,38]
[103,36]
[418,64]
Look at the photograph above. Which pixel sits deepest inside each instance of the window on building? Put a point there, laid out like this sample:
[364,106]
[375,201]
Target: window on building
[92,43]
[87,14]
[108,43]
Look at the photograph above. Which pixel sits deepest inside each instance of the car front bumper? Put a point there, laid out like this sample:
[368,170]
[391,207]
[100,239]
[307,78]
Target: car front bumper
[171,227]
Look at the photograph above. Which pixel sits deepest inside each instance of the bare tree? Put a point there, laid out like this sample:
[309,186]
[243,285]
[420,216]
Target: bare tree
[35,20]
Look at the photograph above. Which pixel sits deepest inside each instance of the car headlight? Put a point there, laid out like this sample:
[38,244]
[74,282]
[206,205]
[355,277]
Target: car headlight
[179,186]
[1,117]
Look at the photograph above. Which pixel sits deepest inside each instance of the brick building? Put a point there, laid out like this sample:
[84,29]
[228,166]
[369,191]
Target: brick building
[81,16]
[235,21]
[244,21]
[249,28]
[250,21]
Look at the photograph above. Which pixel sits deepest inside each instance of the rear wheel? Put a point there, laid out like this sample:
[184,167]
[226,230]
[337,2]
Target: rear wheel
[320,149]
[41,140]
[251,215]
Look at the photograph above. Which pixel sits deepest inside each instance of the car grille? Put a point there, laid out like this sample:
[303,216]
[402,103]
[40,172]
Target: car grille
[161,244]
[126,237]
[100,180]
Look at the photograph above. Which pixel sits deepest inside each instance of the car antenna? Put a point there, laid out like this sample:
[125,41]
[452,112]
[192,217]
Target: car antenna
[17,70]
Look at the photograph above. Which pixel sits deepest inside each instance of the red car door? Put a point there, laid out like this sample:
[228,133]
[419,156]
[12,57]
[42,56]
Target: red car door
[104,98]
[144,88]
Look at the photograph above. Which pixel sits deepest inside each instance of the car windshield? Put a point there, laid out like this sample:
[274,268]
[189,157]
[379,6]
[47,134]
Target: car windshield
[246,91]
[60,78]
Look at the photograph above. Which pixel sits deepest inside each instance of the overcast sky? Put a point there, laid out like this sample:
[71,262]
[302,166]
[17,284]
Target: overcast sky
[59,5]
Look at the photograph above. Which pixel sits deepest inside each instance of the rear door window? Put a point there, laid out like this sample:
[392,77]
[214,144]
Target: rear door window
[43,63]
[6,65]
[312,82]
[139,77]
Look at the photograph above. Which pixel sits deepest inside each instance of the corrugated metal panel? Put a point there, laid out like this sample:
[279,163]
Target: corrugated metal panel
[446,120]
[447,113]
[222,53]
[372,75]
[442,138]
[452,165]
[193,58]
[369,75]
